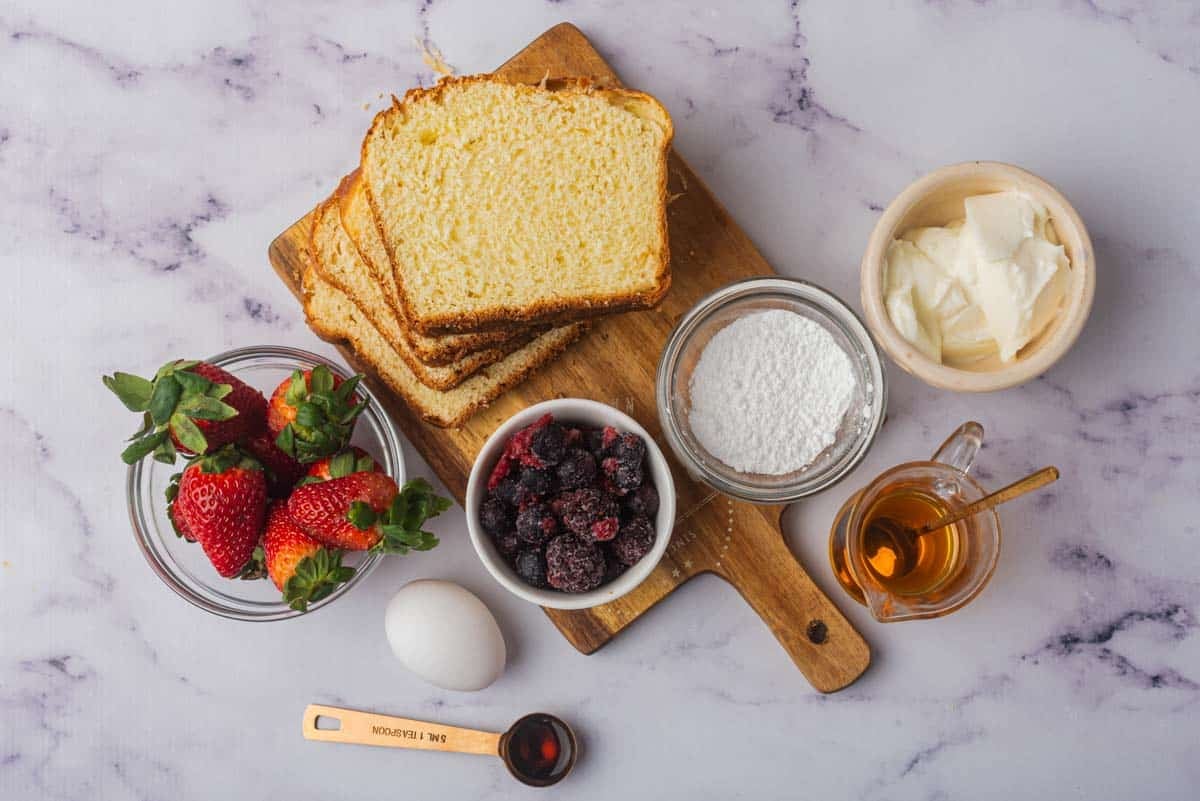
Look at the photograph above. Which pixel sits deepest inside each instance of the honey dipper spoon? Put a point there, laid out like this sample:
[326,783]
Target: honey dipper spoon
[885,532]
[539,749]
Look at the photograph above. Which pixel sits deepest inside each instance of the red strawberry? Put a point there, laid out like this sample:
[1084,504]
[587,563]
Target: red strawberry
[343,512]
[189,406]
[177,522]
[222,503]
[282,470]
[304,570]
[342,463]
[312,414]
[365,510]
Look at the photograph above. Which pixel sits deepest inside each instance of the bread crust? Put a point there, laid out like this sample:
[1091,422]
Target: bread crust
[435,417]
[546,311]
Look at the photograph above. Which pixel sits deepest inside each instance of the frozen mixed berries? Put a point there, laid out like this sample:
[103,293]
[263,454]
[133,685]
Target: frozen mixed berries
[531,567]
[642,501]
[570,508]
[634,540]
[576,470]
[588,513]
[573,565]
[495,517]
[536,524]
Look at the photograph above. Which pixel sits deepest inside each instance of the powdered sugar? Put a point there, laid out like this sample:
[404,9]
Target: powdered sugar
[769,392]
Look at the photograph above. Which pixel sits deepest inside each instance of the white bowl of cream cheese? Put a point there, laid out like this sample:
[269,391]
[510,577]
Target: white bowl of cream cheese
[978,277]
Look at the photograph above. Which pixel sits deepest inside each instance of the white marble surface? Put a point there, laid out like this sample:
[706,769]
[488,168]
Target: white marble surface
[150,151]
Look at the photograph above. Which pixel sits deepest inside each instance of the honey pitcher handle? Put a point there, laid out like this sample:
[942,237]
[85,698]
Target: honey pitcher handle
[961,447]
[365,728]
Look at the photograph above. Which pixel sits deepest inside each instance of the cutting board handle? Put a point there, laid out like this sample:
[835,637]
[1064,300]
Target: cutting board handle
[818,638]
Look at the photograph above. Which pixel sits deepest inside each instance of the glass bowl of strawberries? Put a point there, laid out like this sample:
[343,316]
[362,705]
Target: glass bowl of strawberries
[245,529]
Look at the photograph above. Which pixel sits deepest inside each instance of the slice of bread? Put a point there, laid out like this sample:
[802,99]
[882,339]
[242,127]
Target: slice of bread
[506,202]
[335,318]
[338,262]
[359,223]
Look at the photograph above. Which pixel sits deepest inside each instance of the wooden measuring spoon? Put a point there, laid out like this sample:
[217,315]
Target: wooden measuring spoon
[884,532]
[539,749]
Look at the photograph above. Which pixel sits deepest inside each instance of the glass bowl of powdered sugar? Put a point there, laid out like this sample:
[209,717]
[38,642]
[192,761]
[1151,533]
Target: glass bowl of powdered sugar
[770,389]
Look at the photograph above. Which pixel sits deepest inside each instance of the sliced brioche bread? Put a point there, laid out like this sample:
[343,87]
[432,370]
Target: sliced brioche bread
[359,223]
[337,260]
[506,202]
[333,317]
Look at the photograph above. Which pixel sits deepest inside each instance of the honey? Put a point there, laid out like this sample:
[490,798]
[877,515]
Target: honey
[917,566]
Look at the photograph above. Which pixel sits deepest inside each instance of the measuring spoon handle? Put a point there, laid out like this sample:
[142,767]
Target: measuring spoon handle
[367,728]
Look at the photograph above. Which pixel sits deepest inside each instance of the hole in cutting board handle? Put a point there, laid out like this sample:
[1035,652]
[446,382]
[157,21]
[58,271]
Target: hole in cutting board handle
[327,723]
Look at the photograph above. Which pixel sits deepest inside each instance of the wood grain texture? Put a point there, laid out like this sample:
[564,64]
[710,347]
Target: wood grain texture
[616,364]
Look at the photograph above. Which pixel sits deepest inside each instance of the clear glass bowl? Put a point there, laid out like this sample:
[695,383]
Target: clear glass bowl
[182,565]
[718,310]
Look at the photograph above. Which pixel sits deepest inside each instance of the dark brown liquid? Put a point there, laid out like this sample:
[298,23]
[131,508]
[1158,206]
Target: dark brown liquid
[534,748]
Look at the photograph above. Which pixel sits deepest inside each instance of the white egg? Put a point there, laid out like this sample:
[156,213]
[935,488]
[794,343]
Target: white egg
[445,635]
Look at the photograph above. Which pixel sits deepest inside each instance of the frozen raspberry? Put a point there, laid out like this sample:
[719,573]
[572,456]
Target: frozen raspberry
[573,438]
[494,516]
[536,524]
[642,501]
[585,512]
[634,540]
[507,543]
[608,437]
[548,443]
[573,565]
[537,482]
[531,567]
[519,444]
[576,470]
[500,471]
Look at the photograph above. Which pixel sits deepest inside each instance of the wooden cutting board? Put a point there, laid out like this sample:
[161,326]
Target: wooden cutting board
[616,364]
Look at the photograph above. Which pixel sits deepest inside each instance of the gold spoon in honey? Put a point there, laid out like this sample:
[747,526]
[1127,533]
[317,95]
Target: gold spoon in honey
[901,540]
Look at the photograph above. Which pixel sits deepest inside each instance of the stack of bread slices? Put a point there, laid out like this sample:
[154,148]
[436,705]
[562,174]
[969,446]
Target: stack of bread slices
[486,224]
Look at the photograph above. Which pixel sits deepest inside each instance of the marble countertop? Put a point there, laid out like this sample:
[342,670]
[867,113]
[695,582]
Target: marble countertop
[151,151]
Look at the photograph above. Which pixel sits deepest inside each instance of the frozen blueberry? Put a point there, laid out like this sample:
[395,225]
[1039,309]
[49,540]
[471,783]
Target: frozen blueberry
[623,476]
[548,443]
[576,470]
[573,565]
[536,524]
[537,482]
[634,540]
[588,512]
[531,567]
[613,566]
[494,516]
[510,491]
[642,501]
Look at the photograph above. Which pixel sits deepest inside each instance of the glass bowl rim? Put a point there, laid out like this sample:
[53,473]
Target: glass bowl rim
[823,302]
[135,475]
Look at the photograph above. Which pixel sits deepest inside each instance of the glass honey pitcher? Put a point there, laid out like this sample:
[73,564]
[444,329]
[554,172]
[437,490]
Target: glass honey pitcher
[937,573]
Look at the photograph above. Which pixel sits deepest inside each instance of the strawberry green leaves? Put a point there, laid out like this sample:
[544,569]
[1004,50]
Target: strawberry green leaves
[401,523]
[321,413]
[315,578]
[170,404]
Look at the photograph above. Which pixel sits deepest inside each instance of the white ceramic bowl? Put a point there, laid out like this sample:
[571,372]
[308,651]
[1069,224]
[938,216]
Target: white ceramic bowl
[937,199]
[577,411]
